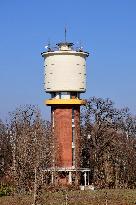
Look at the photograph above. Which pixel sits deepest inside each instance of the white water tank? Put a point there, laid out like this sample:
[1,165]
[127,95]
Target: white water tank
[65,69]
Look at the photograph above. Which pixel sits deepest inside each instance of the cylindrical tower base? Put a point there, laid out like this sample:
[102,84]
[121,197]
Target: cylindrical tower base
[66,131]
[65,117]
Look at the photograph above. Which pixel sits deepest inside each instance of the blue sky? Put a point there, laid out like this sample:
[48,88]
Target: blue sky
[105,28]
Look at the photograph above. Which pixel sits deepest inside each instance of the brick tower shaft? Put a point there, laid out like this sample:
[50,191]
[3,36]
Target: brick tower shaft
[66,130]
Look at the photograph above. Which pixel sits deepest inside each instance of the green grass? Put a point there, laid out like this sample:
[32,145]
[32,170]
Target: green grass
[97,197]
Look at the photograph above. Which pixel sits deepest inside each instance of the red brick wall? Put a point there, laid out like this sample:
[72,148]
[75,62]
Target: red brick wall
[63,134]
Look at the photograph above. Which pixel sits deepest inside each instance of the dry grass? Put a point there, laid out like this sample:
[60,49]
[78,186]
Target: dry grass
[98,197]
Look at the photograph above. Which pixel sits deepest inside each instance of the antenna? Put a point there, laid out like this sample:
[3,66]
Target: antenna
[80,46]
[65,34]
[49,45]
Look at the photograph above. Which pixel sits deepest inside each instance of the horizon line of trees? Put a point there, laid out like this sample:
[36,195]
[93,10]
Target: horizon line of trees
[108,146]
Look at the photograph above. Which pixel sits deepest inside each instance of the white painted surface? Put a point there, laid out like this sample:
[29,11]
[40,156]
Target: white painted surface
[65,71]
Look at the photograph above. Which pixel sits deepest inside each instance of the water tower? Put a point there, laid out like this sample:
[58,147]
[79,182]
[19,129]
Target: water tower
[65,80]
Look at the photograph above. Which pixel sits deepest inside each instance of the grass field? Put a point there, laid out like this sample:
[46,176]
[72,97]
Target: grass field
[97,197]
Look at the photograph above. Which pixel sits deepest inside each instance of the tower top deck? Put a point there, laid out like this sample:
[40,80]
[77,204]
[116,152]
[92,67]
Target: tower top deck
[66,47]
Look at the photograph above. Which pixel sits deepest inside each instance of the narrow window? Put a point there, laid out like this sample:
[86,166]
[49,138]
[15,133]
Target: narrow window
[73,156]
[73,132]
[53,118]
[72,112]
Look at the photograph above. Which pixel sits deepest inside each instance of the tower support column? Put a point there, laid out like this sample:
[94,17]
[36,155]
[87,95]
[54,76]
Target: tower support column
[66,132]
[65,116]
[70,177]
[52,178]
[85,176]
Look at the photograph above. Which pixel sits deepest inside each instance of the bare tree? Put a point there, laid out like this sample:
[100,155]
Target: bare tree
[29,137]
[107,133]
[5,154]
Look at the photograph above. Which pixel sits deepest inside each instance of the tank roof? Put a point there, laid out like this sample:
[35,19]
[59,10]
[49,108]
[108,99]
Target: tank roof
[65,44]
[65,47]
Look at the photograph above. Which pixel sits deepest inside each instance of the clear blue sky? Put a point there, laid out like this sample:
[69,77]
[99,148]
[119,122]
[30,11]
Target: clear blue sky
[106,28]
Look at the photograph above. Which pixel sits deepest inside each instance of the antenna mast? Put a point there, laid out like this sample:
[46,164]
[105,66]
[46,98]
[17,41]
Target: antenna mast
[49,45]
[65,34]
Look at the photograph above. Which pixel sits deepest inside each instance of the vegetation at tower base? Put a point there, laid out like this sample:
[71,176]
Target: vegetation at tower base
[108,148]
[101,197]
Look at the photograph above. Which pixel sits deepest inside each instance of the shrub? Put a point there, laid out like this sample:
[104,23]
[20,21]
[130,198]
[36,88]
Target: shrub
[5,191]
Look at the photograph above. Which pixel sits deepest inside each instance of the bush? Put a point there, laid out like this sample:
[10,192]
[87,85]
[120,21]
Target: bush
[5,191]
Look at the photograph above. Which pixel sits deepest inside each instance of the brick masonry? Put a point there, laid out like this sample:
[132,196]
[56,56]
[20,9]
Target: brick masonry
[63,134]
